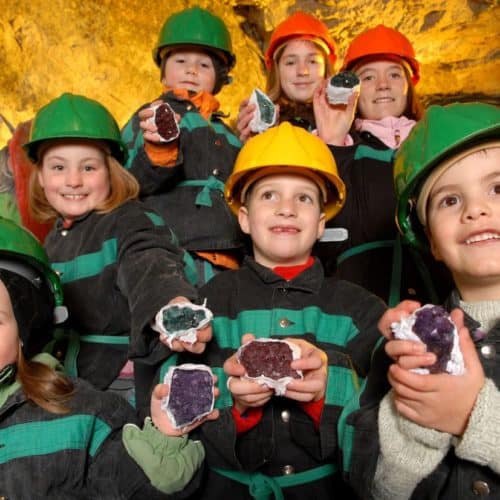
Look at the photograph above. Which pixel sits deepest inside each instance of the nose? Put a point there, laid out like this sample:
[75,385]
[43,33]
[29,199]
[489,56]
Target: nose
[73,178]
[474,209]
[302,68]
[191,68]
[286,208]
[382,82]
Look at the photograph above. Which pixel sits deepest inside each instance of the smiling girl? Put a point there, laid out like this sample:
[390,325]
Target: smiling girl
[117,260]
[300,55]
[360,244]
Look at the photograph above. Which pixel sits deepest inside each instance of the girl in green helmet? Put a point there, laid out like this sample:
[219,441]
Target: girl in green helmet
[119,263]
[182,174]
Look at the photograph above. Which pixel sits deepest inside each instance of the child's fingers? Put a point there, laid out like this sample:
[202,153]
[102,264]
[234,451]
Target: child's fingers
[395,314]
[397,348]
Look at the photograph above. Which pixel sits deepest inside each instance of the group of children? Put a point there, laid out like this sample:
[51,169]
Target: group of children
[240,227]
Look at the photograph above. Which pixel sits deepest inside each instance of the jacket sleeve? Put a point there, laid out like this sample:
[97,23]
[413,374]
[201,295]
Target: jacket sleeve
[150,274]
[169,462]
[408,453]
[480,442]
[152,178]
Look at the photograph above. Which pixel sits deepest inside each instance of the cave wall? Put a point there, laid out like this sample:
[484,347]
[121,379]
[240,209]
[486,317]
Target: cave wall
[103,48]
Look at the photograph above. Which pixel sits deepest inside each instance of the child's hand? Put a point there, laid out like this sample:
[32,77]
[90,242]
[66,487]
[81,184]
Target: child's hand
[149,128]
[203,335]
[395,314]
[333,122]
[160,418]
[245,115]
[246,394]
[439,401]
[314,365]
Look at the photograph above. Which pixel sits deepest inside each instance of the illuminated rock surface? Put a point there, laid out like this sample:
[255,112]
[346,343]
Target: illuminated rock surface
[103,48]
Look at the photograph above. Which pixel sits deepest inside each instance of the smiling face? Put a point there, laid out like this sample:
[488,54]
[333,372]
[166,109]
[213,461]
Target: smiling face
[464,223]
[301,69]
[75,178]
[283,217]
[384,89]
[189,69]
[9,339]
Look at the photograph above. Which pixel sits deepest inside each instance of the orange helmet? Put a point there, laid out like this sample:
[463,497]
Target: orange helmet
[382,41]
[300,25]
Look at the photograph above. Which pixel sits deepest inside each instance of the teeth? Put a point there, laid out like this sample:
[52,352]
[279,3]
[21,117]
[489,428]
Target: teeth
[482,237]
[74,196]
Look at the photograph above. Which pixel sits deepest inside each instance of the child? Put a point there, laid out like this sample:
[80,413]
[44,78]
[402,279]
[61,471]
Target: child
[117,260]
[183,179]
[439,434]
[361,244]
[301,53]
[61,438]
[284,187]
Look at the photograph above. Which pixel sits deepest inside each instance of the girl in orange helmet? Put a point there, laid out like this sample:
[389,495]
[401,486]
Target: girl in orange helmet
[364,136]
[300,55]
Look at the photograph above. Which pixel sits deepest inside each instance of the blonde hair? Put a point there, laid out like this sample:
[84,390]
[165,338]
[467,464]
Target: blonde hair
[44,386]
[123,187]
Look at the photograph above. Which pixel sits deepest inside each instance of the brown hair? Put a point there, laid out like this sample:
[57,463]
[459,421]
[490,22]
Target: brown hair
[123,187]
[44,386]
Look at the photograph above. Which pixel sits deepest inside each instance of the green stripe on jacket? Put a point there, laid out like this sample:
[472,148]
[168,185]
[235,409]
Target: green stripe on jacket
[339,330]
[284,322]
[75,432]
[364,151]
[87,265]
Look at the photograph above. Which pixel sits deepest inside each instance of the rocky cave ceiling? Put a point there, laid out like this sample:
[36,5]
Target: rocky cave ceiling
[103,48]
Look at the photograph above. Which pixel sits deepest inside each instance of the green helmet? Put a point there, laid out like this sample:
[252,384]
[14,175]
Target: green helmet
[22,253]
[73,116]
[196,26]
[443,132]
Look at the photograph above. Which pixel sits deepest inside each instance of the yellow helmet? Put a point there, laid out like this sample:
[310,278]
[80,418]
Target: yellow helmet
[286,149]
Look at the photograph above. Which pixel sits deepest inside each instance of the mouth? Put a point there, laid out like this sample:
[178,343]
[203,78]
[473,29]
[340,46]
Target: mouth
[383,100]
[285,230]
[481,237]
[74,197]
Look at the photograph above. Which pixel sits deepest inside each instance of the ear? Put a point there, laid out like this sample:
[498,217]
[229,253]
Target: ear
[321,225]
[243,219]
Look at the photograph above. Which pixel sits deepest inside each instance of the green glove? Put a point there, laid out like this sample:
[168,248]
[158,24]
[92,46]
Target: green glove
[169,462]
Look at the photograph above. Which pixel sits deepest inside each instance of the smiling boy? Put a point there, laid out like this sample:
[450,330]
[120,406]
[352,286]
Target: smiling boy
[283,188]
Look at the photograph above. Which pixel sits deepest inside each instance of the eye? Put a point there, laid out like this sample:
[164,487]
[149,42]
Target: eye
[57,167]
[205,65]
[495,189]
[269,195]
[448,201]
[88,168]
[367,78]
[305,198]
[395,75]
[289,62]
[180,60]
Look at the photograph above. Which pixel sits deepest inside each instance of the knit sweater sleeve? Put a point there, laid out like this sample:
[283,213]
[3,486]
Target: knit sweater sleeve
[480,442]
[408,453]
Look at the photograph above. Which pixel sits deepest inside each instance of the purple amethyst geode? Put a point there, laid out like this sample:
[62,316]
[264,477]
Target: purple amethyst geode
[433,326]
[191,395]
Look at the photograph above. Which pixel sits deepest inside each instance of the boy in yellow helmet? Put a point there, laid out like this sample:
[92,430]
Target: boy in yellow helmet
[283,188]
